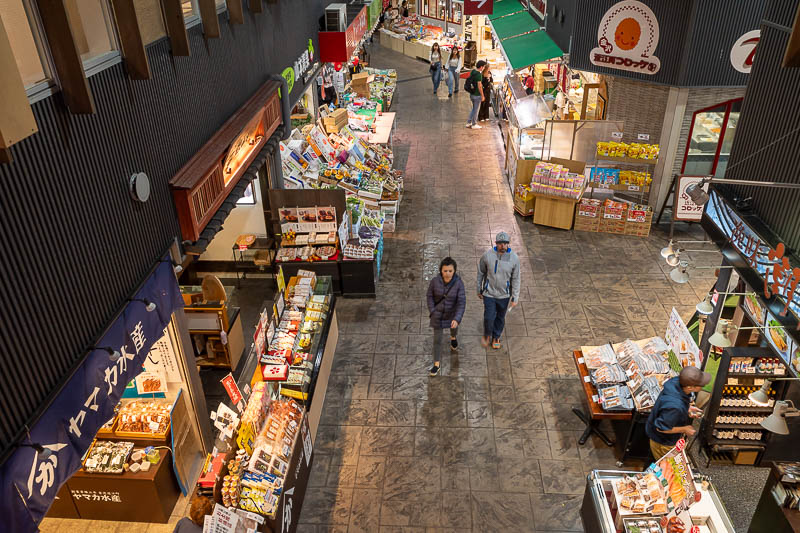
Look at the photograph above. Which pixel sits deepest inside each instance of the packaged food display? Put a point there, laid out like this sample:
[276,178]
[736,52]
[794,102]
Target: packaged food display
[556,180]
[633,150]
[642,526]
[597,356]
[148,417]
[615,398]
[107,457]
[675,474]
[608,373]
[641,494]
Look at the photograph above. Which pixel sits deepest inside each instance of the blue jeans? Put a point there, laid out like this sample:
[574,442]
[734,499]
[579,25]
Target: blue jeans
[476,107]
[494,315]
[436,76]
[452,79]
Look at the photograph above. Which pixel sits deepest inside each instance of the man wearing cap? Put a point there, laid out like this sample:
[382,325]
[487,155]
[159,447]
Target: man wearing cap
[498,287]
[672,414]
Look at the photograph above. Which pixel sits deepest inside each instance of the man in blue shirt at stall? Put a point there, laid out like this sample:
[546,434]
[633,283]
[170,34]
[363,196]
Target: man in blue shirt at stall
[672,414]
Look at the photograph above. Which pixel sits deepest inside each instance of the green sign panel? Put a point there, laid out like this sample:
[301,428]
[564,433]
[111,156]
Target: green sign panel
[288,75]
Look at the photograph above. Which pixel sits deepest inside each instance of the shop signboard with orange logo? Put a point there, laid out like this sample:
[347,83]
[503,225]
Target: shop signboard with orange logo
[627,38]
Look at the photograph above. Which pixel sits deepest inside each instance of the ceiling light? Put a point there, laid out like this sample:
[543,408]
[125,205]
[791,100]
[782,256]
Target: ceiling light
[705,307]
[720,337]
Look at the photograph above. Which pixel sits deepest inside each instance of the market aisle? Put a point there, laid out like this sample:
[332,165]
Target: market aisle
[491,444]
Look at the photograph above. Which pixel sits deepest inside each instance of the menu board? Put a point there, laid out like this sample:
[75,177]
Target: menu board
[326,218]
[755,311]
[682,345]
[306,219]
[779,340]
[288,219]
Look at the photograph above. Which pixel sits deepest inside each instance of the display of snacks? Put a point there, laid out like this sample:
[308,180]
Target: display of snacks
[632,150]
[608,373]
[640,494]
[553,179]
[143,418]
[615,398]
[642,526]
[597,356]
[326,252]
[107,457]
[355,251]
[286,254]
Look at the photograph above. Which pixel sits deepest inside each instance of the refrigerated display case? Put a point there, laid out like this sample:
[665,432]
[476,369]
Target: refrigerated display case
[601,513]
[523,136]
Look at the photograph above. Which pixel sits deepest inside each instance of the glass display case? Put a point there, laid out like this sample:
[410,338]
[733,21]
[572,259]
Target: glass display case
[526,115]
[601,511]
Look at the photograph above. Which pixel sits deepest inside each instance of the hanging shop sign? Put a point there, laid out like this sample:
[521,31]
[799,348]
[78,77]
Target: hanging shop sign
[30,478]
[205,181]
[744,50]
[684,208]
[779,276]
[539,7]
[478,7]
[627,39]
[355,31]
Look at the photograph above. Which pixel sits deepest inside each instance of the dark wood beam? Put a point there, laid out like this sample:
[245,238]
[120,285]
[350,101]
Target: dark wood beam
[130,37]
[235,11]
[5,155]
[176,27]
[256,6]
[67,60]
[208,14]
[792,57]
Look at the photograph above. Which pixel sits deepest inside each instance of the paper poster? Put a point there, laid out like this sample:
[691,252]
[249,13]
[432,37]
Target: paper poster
[288,219]
[326,219]
[307,219]
[344,229]
[225,519]
[754,309]
[778,339]
[162,358]
[151,382]
[279,305]
[681,342]
[225,419]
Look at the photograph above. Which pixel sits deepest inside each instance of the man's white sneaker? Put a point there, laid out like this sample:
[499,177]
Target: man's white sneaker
[468,125]
[476,127]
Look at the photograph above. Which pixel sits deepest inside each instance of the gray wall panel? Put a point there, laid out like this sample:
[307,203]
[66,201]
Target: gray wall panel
[75,244]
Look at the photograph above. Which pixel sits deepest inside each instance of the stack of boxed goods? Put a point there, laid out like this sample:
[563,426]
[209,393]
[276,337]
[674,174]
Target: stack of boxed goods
[552,179]
[611,216]
[524,200]
[608,177]
[634,150]
[360,84]
[335,120]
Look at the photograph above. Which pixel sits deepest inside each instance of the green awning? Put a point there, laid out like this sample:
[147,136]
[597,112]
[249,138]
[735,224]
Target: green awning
[513,25]
[529,49]
[505,7]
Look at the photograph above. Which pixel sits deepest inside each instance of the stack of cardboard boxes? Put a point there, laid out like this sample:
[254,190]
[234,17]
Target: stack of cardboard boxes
[335,120]
[360,84]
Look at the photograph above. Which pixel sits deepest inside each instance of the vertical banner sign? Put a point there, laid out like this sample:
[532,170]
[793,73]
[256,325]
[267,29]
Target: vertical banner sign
[356,31]
[684,208]
[29,479]
[479,7]
[627,38]
[233,391]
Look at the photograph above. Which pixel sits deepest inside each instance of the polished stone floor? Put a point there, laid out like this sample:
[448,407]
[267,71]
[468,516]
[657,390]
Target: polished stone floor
[491,443]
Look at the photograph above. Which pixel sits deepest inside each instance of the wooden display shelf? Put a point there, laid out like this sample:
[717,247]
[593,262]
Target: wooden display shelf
[618,187]
[554,211]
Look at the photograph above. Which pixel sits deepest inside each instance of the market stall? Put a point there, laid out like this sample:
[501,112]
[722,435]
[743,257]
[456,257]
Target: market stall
[265,450]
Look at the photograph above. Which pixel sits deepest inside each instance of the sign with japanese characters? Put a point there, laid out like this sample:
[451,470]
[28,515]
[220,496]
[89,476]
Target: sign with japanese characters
[684,208]
[30,479]
[744,51]
[627,39]
[780,276]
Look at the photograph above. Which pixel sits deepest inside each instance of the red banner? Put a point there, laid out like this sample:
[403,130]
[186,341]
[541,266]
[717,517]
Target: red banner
[356,31]
[479,7]
[232,389]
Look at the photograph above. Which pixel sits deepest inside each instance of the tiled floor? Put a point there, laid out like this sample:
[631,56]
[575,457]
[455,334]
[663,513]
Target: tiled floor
[491,444]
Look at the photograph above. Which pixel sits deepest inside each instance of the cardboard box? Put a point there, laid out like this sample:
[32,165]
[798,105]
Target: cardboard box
[524,205]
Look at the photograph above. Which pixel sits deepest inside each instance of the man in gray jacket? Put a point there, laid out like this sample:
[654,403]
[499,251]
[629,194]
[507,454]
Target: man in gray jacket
[498,287]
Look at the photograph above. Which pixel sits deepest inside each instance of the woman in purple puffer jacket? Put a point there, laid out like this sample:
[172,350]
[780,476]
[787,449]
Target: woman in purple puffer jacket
[446,303]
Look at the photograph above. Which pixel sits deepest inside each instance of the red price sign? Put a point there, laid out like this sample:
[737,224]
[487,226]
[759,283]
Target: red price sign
[232,389]
[478,7]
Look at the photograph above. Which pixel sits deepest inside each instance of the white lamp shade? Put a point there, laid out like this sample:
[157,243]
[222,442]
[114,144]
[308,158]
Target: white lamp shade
[673,259]
[668,251]
[705,307]
[719,338]
[759,397]
[679,275]
[776,423]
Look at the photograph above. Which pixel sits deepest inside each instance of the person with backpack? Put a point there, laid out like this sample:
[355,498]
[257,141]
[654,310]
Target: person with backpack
[474,87]
[447,300]
[498,287]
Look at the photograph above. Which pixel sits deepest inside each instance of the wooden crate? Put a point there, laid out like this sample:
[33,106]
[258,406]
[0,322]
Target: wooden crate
[637,227]
[609,223]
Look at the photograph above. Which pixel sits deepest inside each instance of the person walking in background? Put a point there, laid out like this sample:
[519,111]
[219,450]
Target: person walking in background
[453,69]
[486,82]
[498,287]
[447,301]
[436,66]
[474,87]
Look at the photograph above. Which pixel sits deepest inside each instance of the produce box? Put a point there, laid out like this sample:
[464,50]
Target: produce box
[613,220]
[638,222]
[523,205]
